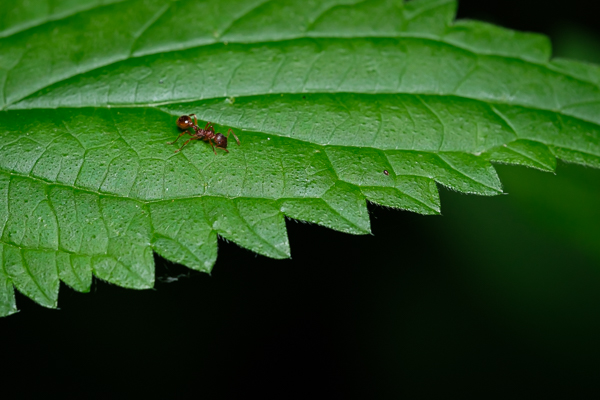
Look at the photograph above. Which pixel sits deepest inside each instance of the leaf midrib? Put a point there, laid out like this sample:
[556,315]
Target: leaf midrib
[157,106]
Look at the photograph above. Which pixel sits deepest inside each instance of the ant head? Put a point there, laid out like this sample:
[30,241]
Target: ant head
[184,122]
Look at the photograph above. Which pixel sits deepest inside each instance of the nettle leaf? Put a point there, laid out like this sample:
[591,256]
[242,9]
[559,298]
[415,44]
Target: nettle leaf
[325,96]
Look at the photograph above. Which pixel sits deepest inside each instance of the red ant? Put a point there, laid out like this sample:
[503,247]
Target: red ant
[207,134]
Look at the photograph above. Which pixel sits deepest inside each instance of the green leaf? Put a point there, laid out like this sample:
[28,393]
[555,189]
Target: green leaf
[324,95]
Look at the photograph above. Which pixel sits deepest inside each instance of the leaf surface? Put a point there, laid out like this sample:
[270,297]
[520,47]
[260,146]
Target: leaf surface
[324,95]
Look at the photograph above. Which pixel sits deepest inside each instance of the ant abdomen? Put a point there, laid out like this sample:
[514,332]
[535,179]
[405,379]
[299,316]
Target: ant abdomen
[220,140]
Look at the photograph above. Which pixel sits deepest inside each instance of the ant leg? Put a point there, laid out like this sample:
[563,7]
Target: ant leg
[209,127]
[236,138]
[184,144]
[182,133]
[213,146]
[195,120]
[224,148]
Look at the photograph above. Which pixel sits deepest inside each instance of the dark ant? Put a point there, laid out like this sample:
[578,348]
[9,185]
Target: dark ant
[207,134]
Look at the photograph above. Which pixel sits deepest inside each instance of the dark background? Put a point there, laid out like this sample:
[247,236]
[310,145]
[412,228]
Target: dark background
[498,297]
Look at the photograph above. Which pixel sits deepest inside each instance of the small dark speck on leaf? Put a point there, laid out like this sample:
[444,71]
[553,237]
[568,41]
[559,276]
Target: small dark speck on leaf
[385,171]
[161,81]
[304,97]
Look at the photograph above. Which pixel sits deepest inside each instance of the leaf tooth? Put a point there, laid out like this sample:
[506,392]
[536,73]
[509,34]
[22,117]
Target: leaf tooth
[75,270]
[182,234]
[412,193]
[576,156]
[255,224]
[8,305]
[474,174]
[34,273]
[135,271]
[462,172]
[128,260]
[525,152]
[348,202]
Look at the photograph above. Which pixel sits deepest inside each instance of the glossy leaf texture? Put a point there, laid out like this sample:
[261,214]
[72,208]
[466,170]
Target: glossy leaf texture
[324,95]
